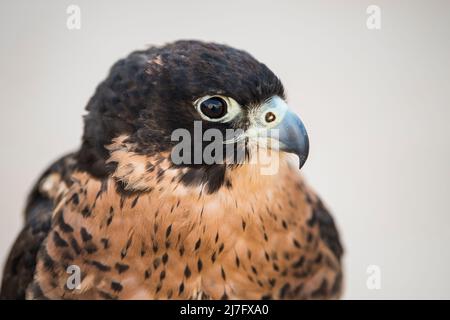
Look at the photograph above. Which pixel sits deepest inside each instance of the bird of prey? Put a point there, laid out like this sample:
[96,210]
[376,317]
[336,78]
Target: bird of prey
[136,225]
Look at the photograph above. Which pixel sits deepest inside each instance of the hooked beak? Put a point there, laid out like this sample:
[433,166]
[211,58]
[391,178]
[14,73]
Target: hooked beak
[293,137]
[276,127]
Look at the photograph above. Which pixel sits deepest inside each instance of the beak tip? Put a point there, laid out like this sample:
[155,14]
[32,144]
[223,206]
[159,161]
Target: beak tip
[294,139]
[302,159]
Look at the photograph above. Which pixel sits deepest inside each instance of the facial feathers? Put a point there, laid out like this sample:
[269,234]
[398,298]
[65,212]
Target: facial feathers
[136,225]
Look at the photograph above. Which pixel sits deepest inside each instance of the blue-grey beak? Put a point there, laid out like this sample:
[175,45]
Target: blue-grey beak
[293,137]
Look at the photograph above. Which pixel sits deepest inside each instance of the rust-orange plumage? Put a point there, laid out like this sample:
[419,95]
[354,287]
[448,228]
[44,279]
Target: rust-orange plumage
[139,226]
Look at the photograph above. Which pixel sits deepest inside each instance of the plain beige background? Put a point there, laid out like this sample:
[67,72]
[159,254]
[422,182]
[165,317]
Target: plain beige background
[376,104]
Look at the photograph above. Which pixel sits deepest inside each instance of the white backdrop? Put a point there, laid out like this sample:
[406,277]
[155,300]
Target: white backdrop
[376,104]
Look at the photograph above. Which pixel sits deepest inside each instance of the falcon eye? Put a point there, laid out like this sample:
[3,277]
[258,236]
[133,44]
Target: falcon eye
[217,108]
[214,107]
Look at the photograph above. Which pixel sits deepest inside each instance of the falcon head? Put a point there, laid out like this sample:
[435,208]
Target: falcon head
[152,93]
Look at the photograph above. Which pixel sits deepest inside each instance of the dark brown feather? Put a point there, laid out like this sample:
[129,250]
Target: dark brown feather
[21,263]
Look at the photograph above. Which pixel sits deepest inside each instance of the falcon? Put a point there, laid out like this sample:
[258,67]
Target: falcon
[120,219]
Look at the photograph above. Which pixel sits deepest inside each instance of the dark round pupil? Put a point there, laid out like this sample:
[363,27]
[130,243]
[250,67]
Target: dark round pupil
[214,108]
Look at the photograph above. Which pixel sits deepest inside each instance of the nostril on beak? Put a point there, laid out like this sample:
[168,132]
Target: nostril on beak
[270,117]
